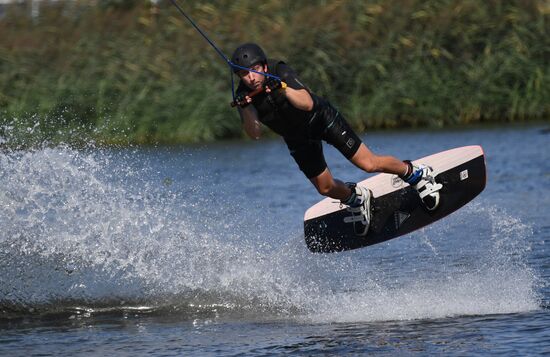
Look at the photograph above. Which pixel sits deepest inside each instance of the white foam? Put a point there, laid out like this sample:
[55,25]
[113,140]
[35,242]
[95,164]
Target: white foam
[471,294]
[96,227]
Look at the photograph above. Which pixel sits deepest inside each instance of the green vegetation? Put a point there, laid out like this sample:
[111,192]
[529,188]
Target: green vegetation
[128,72]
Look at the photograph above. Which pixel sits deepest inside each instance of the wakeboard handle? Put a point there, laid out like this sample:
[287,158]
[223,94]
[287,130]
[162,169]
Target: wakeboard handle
[255,92]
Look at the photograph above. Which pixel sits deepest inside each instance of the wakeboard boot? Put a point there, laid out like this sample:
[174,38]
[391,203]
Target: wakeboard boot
[359,205]
[422,178]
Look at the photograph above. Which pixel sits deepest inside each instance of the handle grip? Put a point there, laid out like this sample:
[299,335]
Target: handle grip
[255,92]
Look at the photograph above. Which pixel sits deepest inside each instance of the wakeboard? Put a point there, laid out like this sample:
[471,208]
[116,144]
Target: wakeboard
[396,206]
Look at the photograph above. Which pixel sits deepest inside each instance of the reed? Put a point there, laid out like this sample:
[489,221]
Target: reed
[129,72]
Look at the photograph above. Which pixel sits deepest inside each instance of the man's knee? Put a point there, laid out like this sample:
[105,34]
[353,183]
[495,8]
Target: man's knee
[365,159]
[369,164]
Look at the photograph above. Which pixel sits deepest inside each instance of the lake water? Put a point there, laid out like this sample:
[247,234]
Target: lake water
[199,251]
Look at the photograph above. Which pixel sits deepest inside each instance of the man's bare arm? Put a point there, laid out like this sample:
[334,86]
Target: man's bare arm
[251,123]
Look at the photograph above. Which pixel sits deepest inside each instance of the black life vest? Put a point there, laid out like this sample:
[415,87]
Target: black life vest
[276,112]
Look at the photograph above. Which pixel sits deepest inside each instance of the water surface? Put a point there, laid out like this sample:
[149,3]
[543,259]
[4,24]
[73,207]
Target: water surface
[199,250]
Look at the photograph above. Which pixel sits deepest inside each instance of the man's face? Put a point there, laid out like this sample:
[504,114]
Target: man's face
[253,80]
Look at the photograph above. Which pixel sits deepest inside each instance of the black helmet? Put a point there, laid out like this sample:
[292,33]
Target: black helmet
[248,55]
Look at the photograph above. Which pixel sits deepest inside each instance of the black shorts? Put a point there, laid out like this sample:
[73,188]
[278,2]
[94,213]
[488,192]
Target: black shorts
[331,127]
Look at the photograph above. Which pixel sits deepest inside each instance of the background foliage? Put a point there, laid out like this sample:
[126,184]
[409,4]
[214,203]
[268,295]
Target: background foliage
[131,71]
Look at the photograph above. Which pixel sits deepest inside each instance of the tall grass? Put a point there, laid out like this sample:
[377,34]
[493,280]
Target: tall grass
[130,72]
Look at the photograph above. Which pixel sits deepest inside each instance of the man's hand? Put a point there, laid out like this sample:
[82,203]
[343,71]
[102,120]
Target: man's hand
[243,100]
[272,84]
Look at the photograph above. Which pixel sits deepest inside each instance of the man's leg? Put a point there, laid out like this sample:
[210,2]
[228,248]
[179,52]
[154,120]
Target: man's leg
[370,162]
[328,186]
[420,177]
[356,198]
[309,157]
[339,134]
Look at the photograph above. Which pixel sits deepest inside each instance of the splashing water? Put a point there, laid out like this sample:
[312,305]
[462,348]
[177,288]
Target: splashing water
[96,228]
